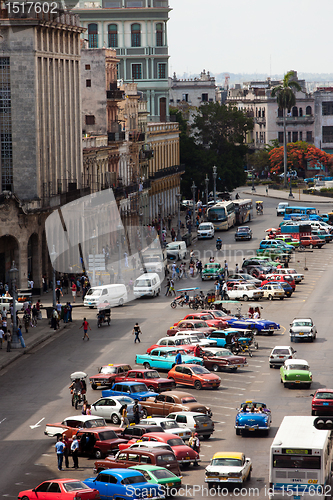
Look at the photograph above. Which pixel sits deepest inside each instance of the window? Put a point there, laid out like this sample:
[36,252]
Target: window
[136,72]
[308,110]
[300,113]
[295,111]
[309,137]
[88,83]
[90,119]
[289,136]
[327,108]
[204,97]
[327,133]
[93,36]
[113,35]
[136,35]
[295,136]
[280,112]
[54,488]
[159,35]
[87,67]
[301,134]
[162,70]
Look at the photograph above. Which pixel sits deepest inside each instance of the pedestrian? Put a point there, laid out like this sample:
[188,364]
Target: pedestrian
[124,420]
[178,359]
[88,411]
[136,331]
[172,287]
[75,451]
[85,325]
[126,259]
[58,293]
[173,234]
[54,319]
[167,286]
[69,306]
[133,262]
[60,447]
[173,267]
[226,269]
[34,316]
[4,324]
[8,337]
[266,190]
[74,288]
[136,412]
[20,336]
[194,442]
[224,290]
[67,449]
[39,312]
[4,313]
[217,289]
[236,269]
[1,337]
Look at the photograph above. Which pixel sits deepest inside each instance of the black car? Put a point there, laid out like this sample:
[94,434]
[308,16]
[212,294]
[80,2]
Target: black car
[243,233]
[136,431]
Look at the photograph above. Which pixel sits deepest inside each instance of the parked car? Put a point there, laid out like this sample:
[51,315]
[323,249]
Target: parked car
[275,244]
[207,317]
[135,390]
[154,474]
[288,291]
[302,329]
[151,378]
[137,431]
[279,354]
[322,234]
[217,358]
[196,337]
[273,291]
[294,242]
[243,233]
[296,372]
[228,468]
[107,375]
[164,358]
[109,408]
[287,278]
[99,443]
[127,458]
[168,402]
[62,489]
[194,375]
[139,443]
[258,326]
[185,339]
[211,271]
[245,277]
[243,291]
[205,230]
[253,416]
[70,425]
[168,425]
[312,242]
[121,483]
[190,324]
[322,402]
[203,425]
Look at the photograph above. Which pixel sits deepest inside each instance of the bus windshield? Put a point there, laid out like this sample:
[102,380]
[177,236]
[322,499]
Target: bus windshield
[216,214]
[296,462]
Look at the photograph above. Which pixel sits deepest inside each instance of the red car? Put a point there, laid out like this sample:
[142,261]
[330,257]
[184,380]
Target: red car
[194,375]
[280,277]
[218,358]
[61,489]
[99,443]
[209,318]
[312,241]
[184,454]
[322,402]
[107,375]
[151,378]
[190,324]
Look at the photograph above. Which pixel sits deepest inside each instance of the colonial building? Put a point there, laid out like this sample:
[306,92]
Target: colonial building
[137,29]
[323,135]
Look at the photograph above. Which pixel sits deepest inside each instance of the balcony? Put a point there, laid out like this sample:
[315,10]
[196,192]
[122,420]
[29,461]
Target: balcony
[260,120]
[175,169]
[296,120]
[123,191]
[115,95]
[137,137]
[116,136]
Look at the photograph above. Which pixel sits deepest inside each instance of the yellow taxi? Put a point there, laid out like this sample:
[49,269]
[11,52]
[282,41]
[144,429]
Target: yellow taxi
[228,467]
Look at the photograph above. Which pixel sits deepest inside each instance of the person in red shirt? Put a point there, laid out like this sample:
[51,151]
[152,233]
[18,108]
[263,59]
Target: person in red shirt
[74,291]
[85,325]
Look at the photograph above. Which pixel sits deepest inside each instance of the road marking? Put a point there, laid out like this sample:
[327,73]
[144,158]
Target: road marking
[255,390]
[258,381]
[37,425]
[2,420]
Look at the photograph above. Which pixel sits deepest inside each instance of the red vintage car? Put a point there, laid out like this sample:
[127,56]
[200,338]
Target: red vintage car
[322,402]
[151,378]
[62,489]
[280,277]
[107,375]
[99,442]
[195,376]
[190,324]
[208,317]
[218,358]
[184,454]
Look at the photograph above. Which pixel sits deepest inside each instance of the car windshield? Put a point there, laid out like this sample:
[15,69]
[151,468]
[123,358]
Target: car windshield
[207,316]
[202,419]
[302,323]
[199,370]
[94,293]
[172,247]
[242,230]
[223,352]
[152,374]
[324,395]
[108,369]
[204,227]
[106,435]
[227,462]
[162,474]
[143,283]
[200,336]
[281,351]
[75,486]
[189,400]
[299,367]
[133,480]
[220,314]
[97,422]
[175,442]
[138,388]
[124,400]
[169,425]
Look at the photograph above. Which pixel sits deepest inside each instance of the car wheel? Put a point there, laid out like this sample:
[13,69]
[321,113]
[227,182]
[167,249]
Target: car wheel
[245,298]
[94,387]
[206,436]
[248,476]
[313,413]
[76,404]
[238,432]
[173,305]
[226,297]
[311,246]
[270,297]
[151,388]
[307,386]
[25,498]
[146,366]
[115,419]
[215,368]
[144,413]
[121,302]
[197,385]
[98,454]
[281,298]
[271,366]
[255,331]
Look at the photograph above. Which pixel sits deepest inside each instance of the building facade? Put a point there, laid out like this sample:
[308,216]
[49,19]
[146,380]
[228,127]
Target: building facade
[137,29]
[323,135]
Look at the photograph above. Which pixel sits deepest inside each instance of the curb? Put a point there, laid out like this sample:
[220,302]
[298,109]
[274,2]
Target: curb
[255,193]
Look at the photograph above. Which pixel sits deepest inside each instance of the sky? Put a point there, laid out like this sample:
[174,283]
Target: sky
[250,36]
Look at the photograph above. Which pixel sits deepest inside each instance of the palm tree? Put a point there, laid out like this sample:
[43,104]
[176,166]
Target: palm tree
[286,99]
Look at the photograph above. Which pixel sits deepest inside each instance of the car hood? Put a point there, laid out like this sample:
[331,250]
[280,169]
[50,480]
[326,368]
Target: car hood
[223,469]
[251,418]
[133,395]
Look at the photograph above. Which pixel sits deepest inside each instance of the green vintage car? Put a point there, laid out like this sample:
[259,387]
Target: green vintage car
[296,372]
[159,475]
[288,240]
[211,271]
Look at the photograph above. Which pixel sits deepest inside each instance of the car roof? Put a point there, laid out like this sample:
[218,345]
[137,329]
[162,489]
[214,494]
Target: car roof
[296,362]
[83,418]
[302,319]
[98,429]
[146,467]
[126,382]
[189,413]
[143,370]
[151,451]
[228,454]
[164,348]
[164,435]
[115,364]
[120,473]
[180,394]
[281,347]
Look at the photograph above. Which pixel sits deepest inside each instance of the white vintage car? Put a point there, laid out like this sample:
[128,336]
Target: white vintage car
[244,291]
[228,467]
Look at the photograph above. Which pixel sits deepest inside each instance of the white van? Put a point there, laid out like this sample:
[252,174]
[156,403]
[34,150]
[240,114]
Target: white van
[147,284]
[176,250]
[105,295]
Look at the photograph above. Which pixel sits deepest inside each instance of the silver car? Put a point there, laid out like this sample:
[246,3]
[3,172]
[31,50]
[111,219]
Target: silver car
[279,355]
[302,329]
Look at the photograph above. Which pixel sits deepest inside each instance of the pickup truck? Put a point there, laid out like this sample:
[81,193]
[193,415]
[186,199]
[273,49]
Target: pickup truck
[108,374]
[135,390]
[312,241]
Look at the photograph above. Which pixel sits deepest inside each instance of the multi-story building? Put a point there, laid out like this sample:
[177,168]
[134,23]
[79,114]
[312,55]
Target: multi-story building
[137,29]
[194,91]
[323,135]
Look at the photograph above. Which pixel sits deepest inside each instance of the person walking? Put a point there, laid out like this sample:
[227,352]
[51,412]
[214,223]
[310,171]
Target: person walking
[172,287]
[85,325]
[217,289]
[167,286]
[67,449]
[74,288]
[178,359]
[1,337]
[226,269]
[8,337]
[224,290]
[75,451]
[236,269]
[136,411]
[60,447]
[20,336]
[136,332]
[124,420]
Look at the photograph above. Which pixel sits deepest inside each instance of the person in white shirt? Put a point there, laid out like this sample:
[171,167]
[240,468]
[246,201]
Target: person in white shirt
[1,337]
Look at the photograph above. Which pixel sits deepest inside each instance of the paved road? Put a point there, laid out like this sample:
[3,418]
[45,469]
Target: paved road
[35,387]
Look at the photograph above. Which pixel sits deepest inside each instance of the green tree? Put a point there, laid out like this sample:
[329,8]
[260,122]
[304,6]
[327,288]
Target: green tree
[286,99]
[259,160]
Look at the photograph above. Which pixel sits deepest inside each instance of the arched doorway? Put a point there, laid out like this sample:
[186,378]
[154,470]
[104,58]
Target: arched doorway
[9,251]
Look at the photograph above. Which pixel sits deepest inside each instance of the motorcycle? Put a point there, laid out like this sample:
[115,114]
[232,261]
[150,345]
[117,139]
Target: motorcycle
[218,244]
[178,301]
[103,316]
[78,388]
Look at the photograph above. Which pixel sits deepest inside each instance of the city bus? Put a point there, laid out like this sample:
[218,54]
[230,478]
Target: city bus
[222,215]
[300,460]
[243,211]
[306,212]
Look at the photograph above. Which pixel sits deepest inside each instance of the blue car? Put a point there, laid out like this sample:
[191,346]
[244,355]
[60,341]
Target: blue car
[258,326]
[223,337]
[135,390]
[253,416]
[124,483]
[164,358]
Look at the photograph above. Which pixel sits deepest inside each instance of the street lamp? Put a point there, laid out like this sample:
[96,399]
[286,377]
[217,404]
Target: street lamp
[214,179]
[93,239]
[193,187]
[253,188]
[290,189]
[53,256]
[119,231]
[178,223]
[206,182]
[160,217]
[14,275]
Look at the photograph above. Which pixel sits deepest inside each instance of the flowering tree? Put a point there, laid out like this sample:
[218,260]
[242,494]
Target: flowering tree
[300,156]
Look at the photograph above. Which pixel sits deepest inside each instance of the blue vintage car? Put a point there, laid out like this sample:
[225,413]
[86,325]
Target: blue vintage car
[253,416]
[124,483]
[223,337]
[258,326]
[135,390]
[163,358]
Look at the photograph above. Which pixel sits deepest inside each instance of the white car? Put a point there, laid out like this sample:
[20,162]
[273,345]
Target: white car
[176,250]
[280,354]
[281,208]
[6,301]
[196,422]
[109,408]
[274,291]
[195,338]
[205,230]
[228,467]
[168,425]
[298,277]
[150,444]
[302,329]
[244,292]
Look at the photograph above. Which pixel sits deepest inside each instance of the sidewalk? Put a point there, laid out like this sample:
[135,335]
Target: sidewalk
[282,195]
